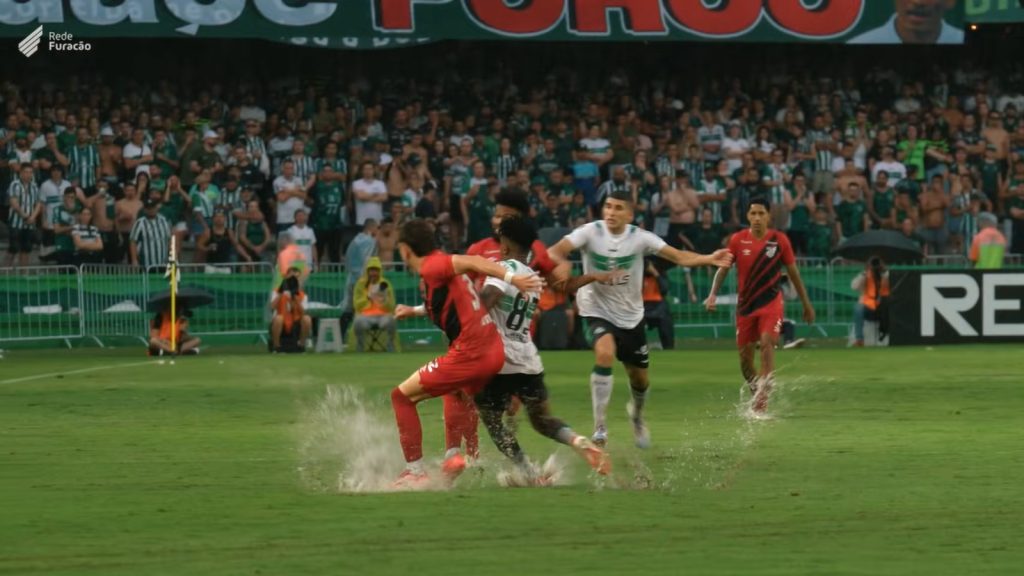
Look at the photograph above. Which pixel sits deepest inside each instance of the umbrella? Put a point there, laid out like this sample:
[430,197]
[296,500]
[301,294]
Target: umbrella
[186,297]
[892,247]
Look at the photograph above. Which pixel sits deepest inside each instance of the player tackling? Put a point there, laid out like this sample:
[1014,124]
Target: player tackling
[522,377]
[614,313]
[475,351]
[760,254]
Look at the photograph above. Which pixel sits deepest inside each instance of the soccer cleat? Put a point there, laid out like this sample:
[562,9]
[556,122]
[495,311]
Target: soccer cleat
[410,479]
[641,435]
[760,402]
[600,437]
[594,456]
[761,397]
[798,343]
[453,466]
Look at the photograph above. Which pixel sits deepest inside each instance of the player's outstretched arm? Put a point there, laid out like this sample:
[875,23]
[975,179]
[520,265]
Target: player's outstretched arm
[480,265]
[721,258]
[403,311]
[560,275]
[560,252]
[711,302]
[577,282]
[801,290]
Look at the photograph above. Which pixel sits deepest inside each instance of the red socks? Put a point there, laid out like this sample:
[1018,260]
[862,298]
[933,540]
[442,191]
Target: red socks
[460,422]
[410,432]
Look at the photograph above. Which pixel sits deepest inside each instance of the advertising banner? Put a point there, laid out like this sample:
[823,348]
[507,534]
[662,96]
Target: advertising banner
[380,23]
[956,307]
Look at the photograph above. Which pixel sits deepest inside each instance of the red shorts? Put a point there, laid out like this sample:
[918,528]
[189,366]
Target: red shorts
[463,369]
[764,320]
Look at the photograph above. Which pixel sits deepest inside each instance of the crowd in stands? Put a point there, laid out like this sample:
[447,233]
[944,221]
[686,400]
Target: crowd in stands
[110,170]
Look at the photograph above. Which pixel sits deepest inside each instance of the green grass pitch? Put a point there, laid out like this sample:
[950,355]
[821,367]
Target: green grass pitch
[894,461]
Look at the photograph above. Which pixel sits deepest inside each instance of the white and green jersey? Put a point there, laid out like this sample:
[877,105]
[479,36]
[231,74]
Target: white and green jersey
[622,304]
[513,316]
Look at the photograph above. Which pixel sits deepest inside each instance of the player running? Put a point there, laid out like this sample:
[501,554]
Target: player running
[760,254]
[614,313]
[522,376]
[475,351]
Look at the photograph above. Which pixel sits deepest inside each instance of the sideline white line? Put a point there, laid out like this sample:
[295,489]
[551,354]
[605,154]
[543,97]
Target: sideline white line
[80,371]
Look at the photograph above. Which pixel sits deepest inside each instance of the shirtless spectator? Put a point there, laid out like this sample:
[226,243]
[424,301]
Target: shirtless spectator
[682,220]
[933,206]
[111,161]
[126,210]
[103,209]
[387,241]
[997,136]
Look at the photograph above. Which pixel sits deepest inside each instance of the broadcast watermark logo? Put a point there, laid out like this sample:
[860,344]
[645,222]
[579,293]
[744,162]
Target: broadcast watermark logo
[56,42]
[30,45]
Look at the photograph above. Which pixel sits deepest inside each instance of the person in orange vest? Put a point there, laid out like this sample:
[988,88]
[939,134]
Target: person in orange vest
[873,285]
[374,302]
[290,319]
[656,309]
[160,335]
[989,245]
[290,256]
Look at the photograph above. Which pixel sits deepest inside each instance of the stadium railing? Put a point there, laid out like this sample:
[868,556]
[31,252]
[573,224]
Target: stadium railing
[114,301]
[101,302]
[41,303]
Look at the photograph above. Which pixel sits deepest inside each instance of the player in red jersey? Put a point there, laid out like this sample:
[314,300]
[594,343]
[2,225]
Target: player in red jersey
[508,203]
[760,254]
[475,350]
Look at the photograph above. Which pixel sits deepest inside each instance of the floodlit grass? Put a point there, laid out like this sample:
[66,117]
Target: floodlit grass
[896,461]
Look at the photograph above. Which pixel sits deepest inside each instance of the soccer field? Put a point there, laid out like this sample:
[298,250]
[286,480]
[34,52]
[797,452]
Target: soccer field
[894,461]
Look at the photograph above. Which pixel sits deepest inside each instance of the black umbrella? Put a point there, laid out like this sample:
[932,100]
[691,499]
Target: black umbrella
[186,297]
[891,247]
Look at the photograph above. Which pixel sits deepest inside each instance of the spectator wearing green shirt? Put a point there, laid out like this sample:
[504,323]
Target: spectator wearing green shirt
[328,202]
[819,235]
[800,217]
[165,154]
[852,213]
[254,234]
[175,205]
[65,215]
[911,151]
[881,203]
[991,173]
[478,199]
[579,212]
[553,215]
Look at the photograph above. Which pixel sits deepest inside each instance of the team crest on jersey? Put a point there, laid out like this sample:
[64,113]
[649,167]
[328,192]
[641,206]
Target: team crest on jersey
[770,250]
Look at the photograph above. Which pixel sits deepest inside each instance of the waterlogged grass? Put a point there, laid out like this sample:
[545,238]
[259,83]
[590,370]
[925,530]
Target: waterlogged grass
[898,461]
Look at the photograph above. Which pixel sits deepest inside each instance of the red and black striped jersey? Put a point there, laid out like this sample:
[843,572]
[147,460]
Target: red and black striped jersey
[759,264]
[453,305]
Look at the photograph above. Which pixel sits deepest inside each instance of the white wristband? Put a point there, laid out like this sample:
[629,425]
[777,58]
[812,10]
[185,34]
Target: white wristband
[508,277]
[421,309]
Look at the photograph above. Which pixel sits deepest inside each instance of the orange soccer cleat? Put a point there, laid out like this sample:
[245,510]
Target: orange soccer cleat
[597,458]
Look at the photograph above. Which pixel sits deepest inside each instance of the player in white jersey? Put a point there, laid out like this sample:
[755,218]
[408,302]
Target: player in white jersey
[614,313]
[522,376]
